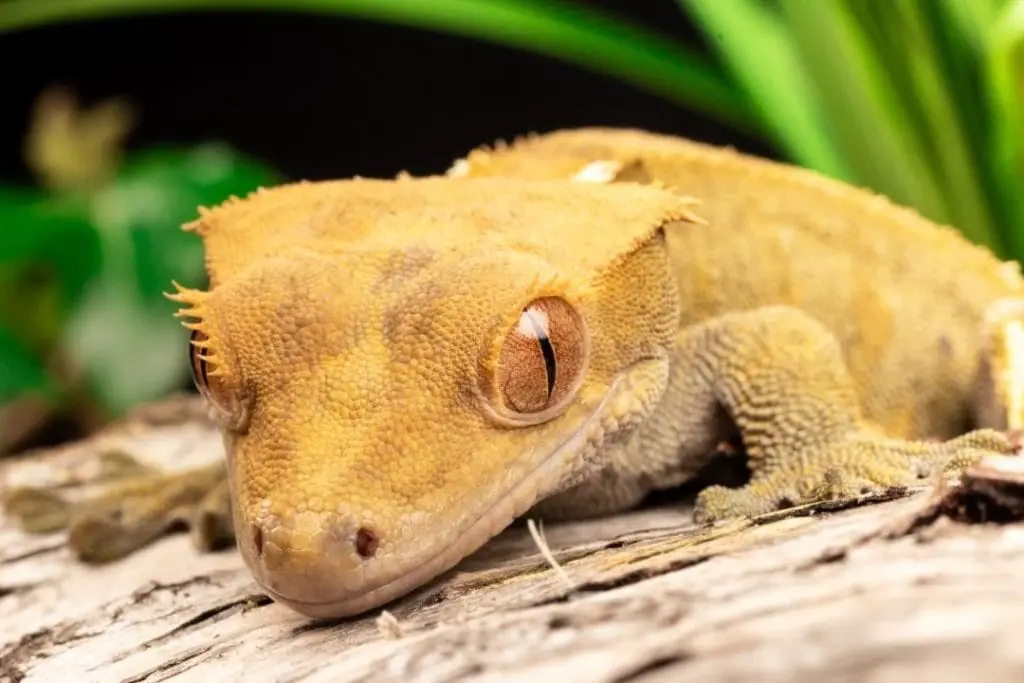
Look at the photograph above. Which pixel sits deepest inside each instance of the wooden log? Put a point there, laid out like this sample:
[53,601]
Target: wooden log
[879,592]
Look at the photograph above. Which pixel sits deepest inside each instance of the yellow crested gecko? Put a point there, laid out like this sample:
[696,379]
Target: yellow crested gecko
[400,368]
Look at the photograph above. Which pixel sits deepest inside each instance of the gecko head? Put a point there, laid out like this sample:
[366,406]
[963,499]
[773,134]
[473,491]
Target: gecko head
[401,368]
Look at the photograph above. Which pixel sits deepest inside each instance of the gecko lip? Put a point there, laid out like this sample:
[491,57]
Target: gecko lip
[510,504]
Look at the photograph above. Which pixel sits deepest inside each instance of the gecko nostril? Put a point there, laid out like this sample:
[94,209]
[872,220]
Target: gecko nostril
[257,539]
[366,543]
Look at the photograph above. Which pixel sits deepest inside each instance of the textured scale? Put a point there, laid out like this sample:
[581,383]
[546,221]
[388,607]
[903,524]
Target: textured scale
[904,297]
[861,318]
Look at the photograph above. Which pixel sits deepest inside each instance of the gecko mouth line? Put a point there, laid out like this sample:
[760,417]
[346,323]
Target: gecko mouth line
[495,519]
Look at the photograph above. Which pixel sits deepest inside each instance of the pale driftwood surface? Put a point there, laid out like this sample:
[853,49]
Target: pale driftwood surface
[649,599]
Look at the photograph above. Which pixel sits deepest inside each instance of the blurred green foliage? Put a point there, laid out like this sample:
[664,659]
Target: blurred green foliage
[86,255]
[913,98]
[921,100]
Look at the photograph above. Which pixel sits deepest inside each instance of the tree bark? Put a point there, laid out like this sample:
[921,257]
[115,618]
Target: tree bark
[875,592]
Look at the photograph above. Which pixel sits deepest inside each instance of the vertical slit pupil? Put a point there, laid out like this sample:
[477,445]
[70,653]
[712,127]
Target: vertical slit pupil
[547,350]
[549,362]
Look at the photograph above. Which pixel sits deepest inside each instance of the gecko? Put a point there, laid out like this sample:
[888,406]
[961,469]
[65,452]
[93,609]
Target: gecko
[559,326]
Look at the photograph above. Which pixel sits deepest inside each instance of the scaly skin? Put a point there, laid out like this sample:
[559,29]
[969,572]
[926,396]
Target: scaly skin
[905,298]
[370,350]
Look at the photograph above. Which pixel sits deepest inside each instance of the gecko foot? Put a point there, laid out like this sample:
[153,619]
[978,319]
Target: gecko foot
[136,507]
[859,465]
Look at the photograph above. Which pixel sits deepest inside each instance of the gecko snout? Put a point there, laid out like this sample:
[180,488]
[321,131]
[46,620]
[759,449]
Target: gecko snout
[309,559]
[365,542]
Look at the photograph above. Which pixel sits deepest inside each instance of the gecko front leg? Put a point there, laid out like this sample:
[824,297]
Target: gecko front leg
[780,377]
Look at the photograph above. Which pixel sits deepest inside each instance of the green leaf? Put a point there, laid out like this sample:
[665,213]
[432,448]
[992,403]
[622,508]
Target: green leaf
[128,346]
[52,231]
[755,44]
[30,306]
[1004,71]
[21,371]
[48,252]
[872,128]
[139,215]
[974,18]
[124,334]
[886,95]
[569,31]
[917,38]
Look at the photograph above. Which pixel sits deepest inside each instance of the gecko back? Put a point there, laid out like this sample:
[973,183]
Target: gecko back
[906,298]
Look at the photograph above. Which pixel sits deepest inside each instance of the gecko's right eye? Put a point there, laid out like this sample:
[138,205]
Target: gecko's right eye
[542,358]
[197,363]
[222,395]
[207,384]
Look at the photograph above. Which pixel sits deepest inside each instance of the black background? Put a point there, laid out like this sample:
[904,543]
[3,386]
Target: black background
[320,97]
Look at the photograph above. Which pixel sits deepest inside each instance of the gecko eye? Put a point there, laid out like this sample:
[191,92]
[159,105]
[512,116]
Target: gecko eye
[200,374]
[234,412]
[197,363]
[542,358]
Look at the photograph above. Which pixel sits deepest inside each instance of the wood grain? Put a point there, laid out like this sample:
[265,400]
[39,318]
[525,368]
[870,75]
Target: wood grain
[860,594]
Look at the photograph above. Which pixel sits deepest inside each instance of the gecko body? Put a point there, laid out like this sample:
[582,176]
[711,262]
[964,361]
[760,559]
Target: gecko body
[400,368]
